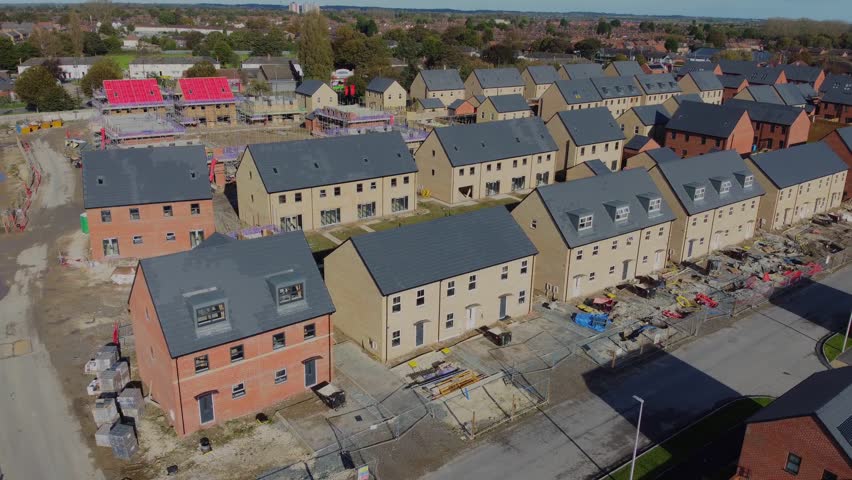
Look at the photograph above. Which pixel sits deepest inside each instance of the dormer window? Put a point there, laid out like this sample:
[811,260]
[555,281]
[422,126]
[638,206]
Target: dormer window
[655,205]
[290,293]
[698,194]
[585,222]
[749,181]
[725,187]
[621,213]
[210,314]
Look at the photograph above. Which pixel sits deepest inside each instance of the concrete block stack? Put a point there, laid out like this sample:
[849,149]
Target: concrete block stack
[123,441]
[132,403]
[102,438]
[105,411]
[113,379]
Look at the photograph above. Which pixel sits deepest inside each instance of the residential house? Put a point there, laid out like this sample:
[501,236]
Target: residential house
[433,107]
[586,169]
[314,94]
[120,97]
[279,77]
[619,94]
[596,232]
[164,67]
[626,68]
[671,105]
[775,126]
[311,184]
[766,76]
[780,94]
[537,79]
[230,328]
[143,202]
[459,163]
[494,81]
[645,120]
[733,84]
[70,68]
[636,145]
[462,109]
[804,74]
[705,83]
[714,196]
[582,135]
[568,95]
[699,128]
[836,101]
[206,101]
[703,54]
[256,62]
[698,66]
[657,87]
[804,433]
[799,182]
[576,71]
[737,67]
[385,94]
[840,141]
[401,290]
[503,107]
[445,85]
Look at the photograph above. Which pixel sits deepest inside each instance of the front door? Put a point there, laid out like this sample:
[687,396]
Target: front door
[418,334]
[205,408]
[577,284]
[471,317]
[310,372]
[502,307]
[658,259]
[788,214]
[716,239]
[689,248]
[625,269]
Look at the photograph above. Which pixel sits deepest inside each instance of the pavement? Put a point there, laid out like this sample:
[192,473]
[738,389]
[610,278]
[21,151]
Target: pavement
[40,437]
[765,353]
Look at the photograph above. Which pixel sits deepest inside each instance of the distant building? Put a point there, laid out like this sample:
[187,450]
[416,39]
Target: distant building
[314,94]
[732,85]
[165,67]
[385,94]
[775,126]
[568,95]
[445,85]
[627,68]
[205,101]
[657,87]
[494,81]
[619,94]
[71,68]
[574,71]
[646,120]
[503,107]
[537,79]
[705,83]
[701,128]
[836,100]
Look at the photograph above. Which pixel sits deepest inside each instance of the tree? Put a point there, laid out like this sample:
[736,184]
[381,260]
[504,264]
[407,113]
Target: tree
[106,29]
[672,44]
[647,26]
[52,67]
[258,87]
[315,54]
[620,57]
[113,44]
[93,44]
[193,39]
[588,47]
[168,17]
[54,98]
[104,69]
[604,28]
[500,54]
[75,31]
[563,22]
[48,43]
[366,25]
[718,38]
[225,54]
[615,22]
[641,60]
[735,55]
[8,54]
[200,69]
[38,88]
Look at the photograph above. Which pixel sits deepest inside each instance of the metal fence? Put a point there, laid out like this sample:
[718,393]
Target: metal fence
[15,217]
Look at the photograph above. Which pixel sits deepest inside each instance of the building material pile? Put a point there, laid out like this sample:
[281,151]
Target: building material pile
[122,439]
[132,403]
[113,379]
[105,411]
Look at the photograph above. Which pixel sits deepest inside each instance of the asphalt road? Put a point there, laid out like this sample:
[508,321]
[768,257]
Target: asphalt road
[39,437]
[765,353]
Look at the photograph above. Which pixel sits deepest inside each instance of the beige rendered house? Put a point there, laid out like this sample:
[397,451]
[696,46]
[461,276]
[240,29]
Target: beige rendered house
[445,85]
[311,184]
[647,120]
[596,232]
[385,94]
[583,135]
[623,68]
[568,95]
[467,162]
[657,87]
[671,105]
[705,83]
[314,94]
[714,196]
[538,78]
[494,81]
[799,181]
[619,94]
[503,107]
[400,290]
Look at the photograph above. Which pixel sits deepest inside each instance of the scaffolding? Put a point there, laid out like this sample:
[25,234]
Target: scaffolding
[136,129]
[358,120]
[269,109]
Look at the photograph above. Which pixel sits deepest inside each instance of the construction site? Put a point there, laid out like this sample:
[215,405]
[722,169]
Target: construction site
[270,110]
[121,97]
[205,102]
[358,120]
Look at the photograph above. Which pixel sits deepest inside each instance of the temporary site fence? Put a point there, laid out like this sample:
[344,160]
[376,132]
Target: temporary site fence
[15,216]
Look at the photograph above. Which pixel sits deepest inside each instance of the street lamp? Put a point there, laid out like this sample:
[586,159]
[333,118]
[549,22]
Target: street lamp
[638,427]
[846,338]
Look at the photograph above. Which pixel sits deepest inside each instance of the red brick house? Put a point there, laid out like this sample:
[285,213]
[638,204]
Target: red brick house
[836,102]
[775,126]
[230,328]
[144,202]
[637,145]
[699,128]
[840,141]
[732,85]
[806,434]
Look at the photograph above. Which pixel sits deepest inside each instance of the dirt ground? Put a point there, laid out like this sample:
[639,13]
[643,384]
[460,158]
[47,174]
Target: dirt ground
[241,135]
[13,168]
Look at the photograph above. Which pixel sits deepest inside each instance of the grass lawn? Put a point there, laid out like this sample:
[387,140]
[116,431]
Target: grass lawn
[123,59]
[344,233]
[434,211]
[832,347]
[679,448]
[318,242]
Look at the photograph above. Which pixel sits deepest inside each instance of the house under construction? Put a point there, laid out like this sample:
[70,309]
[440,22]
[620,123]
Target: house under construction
[205,101]
[269,110]
[120,97]
[136,130]
[358,120]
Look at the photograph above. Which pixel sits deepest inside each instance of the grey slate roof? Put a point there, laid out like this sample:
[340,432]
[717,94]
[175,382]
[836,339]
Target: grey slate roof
[583,70]
[66,61]
[801,73]
[309,87]
[277,72]
[706,81]
[597,166]
[731,81]
[695,66]
[840,93]
[705,170]
[156,60]
[490,141]
[766,112]
[262,60]
[423,253]
[662,154]
[599,196]
[442,80]
[845,134]
[637,142]
[581,90]
[657,83]
[705,119]
[628,68]
[825,395]
[380,84]
[509,103]
[590,125]
[456,104]
[765,94]
[807,90]
[430,102]
[138,176]
[542,74]
[616,87]
[834,80]
[790,94]
[688,97]
[498,77]
[652,114]
[798,164]
[764,75]
[737,67]
[284,166]
[238,270]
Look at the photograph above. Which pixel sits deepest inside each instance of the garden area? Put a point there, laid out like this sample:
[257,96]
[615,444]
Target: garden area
[833,347]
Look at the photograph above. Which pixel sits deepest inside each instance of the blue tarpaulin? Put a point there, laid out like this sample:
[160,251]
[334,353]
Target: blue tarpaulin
[595,321]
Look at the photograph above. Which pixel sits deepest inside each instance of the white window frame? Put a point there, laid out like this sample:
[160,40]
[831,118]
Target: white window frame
[655,205]
[622,213]
[749,181]
[725,187]
[279,379]
[238,390]
[699,194]
[585,222]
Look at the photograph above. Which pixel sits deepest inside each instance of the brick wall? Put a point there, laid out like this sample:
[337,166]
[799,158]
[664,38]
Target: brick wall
[767,444]
[834,141]
[691,144]
[152,226]
[774,137]
[831,111]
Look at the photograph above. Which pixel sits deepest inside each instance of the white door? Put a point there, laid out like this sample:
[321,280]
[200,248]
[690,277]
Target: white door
[658,259]
[578,280]
[471,317]
[714,242]
[749,229]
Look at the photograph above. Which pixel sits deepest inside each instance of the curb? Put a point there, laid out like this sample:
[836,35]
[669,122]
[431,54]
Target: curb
[820,352]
